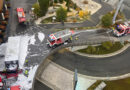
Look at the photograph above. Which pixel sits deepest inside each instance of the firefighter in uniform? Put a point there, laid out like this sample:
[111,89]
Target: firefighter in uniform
[76,38]
[26,62]
[26,73]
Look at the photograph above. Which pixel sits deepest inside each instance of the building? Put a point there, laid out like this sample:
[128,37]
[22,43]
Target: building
[4,16]
[3,10]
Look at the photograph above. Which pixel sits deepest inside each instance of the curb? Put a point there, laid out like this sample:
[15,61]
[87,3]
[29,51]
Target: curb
[93,77]
[105,55]
[106,78]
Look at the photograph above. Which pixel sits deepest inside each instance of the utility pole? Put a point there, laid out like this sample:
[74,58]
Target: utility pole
[117,10]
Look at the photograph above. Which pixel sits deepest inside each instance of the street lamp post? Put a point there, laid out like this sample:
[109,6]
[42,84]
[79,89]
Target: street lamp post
[117,10]
[75,79]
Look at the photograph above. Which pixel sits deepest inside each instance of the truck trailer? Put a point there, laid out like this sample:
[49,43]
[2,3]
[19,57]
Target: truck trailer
[58,38]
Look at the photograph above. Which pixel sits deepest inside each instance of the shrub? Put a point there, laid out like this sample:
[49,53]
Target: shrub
[81,14]
[91,49]
[126,42]
[61,14]
[44,5]
[107,45]
[118,45]
[107,20]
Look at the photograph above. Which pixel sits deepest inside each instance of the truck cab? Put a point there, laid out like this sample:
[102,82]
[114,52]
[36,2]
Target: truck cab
[17,87]
[121,29]
[1,83]
[21,15]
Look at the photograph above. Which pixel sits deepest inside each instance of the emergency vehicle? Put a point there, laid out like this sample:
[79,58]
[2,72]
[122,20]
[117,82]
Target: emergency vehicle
[15,87]
[58,38]
[10,60]
[21,15]
[1,83]
[122,29]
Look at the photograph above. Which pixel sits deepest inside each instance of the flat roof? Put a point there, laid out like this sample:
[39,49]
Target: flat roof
[12,51]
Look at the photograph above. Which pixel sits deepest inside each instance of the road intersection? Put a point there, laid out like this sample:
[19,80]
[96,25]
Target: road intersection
[106,67]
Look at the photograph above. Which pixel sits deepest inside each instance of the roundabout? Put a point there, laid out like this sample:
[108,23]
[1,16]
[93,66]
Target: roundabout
[55,67]
[60,61]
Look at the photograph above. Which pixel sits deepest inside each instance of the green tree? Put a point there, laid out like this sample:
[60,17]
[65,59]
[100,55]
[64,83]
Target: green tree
[107,20]
[61,14]
[37,10]
[44,5]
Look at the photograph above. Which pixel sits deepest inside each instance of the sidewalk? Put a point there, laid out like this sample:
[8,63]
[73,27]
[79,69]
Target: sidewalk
[63,78]
[38,21]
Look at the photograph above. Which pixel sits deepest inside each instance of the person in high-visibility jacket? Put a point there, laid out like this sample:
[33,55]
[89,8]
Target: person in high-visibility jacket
[76,38]
[26,62]
[26,72]
[71,38]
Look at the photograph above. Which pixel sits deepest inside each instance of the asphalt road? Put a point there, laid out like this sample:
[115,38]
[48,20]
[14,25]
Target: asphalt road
[126,8]
[38,51]
[87,68]
[105,67]
[40,86]
[13,20]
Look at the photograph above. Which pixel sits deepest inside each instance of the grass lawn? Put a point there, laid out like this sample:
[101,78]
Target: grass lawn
[47,20]
[100,50]
[123,84]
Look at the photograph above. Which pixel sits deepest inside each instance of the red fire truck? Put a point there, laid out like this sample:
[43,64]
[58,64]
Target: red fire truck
[1,83]
[122,29]
[59,38]
[17,87]
[21,15]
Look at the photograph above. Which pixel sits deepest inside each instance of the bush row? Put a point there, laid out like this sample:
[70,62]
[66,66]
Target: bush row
[105,48]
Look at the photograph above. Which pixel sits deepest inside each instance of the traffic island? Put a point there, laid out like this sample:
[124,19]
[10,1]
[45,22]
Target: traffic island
[106,49]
